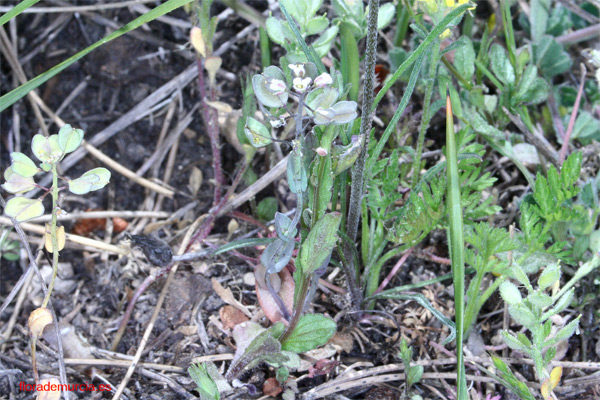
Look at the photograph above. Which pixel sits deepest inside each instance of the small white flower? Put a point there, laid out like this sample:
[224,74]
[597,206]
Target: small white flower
[323,80]
[277,123]
[277,86]
[298,69]
[321,151]
[301,84]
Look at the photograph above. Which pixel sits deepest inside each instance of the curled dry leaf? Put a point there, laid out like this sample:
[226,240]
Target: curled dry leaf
[60,238]
[38,320]
[51,389]
[283,283]
[227,296]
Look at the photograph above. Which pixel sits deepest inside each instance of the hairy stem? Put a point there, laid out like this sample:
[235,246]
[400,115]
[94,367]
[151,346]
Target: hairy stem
[358,172]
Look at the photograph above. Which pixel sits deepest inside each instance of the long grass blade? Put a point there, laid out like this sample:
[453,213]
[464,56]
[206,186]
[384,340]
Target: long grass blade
[13,96]
[435,32]
[16,10]
[456,245]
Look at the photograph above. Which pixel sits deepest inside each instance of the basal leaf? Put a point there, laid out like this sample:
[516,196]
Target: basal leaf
[312,331]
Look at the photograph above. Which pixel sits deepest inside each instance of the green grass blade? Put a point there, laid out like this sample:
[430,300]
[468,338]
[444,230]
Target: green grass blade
[308,51]
[16,10]
[391,127]
[456,245]
[350,60]
[433,35]
[13,96]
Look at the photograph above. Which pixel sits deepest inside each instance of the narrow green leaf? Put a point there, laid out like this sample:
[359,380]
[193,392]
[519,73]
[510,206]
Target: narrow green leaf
[16,10]
[13,96]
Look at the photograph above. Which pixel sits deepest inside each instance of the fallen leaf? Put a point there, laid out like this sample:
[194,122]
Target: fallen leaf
[231,316]
[285,289]
[272,388]
[227,296]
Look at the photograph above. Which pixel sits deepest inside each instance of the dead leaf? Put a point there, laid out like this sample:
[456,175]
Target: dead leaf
[286,292]
[195,180]
[227,296]
[272,388]
[342,342]
[231,316]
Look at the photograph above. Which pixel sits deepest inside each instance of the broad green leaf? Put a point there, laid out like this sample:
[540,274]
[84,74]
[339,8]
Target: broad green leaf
[312,331]
[414,375]
[540,10]
[317,25]
[23,165]
[283,227]
[296,173]
[16,183]
[387,12]
[320,242]
[324,42]
[539,300]
[276,31]
[266,208]
[510,293]
[92,180]
[464,59]
[46,149]
[345,112]
[69,138]
[257,133]
[23,209]
[532,89]
[501,66]
[522,315]
[550,57]
[549,275]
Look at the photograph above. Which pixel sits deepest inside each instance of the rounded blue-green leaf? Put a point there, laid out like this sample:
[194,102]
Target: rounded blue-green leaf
[265,95]
[69,138]
[92,180]
[17,183]
[46,149]
[24,209]
[257,133]
[23,165]
[345,111]
[323,97]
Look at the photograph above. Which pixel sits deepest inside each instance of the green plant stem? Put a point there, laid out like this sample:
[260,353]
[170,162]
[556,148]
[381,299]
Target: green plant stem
[425,117]
[509,34]
[298,311]
[358,172]
[265,47]
[457,74]
[481,67]
[456,246]
[53,235]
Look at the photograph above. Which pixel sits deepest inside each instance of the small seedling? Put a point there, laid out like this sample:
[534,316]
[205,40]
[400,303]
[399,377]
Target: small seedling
[19,180]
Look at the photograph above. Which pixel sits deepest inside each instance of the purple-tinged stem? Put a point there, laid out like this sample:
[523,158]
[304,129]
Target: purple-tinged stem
[566,139]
